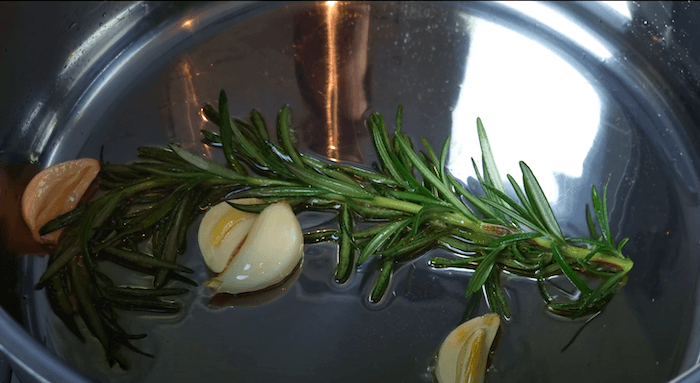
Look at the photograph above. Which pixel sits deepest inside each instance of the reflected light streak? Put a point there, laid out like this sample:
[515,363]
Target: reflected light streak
[534,105]
[560,24]
[41,139]
[97,41]
[621,7]
[193,108]
[204,116]
[332,86]
[32,116]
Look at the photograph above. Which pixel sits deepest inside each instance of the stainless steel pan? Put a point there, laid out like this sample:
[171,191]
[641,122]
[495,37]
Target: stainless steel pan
[580,91]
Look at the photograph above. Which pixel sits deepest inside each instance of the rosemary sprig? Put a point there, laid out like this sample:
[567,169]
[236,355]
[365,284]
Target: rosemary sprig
[413,202]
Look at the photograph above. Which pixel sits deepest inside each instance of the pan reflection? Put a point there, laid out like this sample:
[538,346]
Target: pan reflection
[185,117]
[330,54]
[555,105]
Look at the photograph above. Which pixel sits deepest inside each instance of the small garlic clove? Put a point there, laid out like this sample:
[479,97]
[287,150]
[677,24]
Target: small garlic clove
[55,191]
[471,360]
[271,252]
[463,354]
[222,231]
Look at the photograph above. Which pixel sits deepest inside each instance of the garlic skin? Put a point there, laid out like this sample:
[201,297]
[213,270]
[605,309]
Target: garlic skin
[222,230]
[273,248]
[463,354]
[55,191]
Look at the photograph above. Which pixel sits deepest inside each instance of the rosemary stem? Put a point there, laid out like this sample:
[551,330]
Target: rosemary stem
[496,230]
[396,204]
[578,252]
[413,208]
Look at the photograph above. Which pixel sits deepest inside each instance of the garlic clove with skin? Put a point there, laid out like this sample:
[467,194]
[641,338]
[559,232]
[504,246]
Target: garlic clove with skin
[222,231]
[463,354]
[272,250]
[55,191]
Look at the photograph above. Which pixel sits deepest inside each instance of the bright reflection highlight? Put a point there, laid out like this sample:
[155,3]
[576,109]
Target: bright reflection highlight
[188,120]
[97,43]
[32,116]
[332,85]
[534,105]
[560,24]
[621,7]
[41,139]
[188,24]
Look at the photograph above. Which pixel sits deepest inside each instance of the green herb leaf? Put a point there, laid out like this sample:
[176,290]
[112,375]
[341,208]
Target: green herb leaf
[260,127]
[399,117]
[207,165]
[279,192]
[524,202]
[429,212]
[386,156]
[444,190]
[346,247]
[483,271]
[569,272]
[432,157]
[540,205]
[411,244]
[146,260]
[601,213]
[489,194]
[227,134]
[379,239]
[443,162]
[331,185]
[284,134]
[505,200]
[482,207]
[495,296]
[591,225]
[489,164]
[514,215]
[513,238]
[383,281]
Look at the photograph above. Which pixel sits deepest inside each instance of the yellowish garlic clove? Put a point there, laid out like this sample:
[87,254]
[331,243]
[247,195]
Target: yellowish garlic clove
[463,354]
[222,231]
[55,191]
[273,248]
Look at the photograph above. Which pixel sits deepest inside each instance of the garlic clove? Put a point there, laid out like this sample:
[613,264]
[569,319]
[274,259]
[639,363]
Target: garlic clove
[222,231]
[273,249]
[257,298]
[55,191]
[463,354]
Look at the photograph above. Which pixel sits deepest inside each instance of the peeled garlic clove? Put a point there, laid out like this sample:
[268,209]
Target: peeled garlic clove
[222,231]
[257,298]
[463,355]
[55,191]
[274,247]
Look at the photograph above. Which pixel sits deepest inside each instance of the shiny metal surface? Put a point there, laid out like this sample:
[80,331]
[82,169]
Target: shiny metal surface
[582,92]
